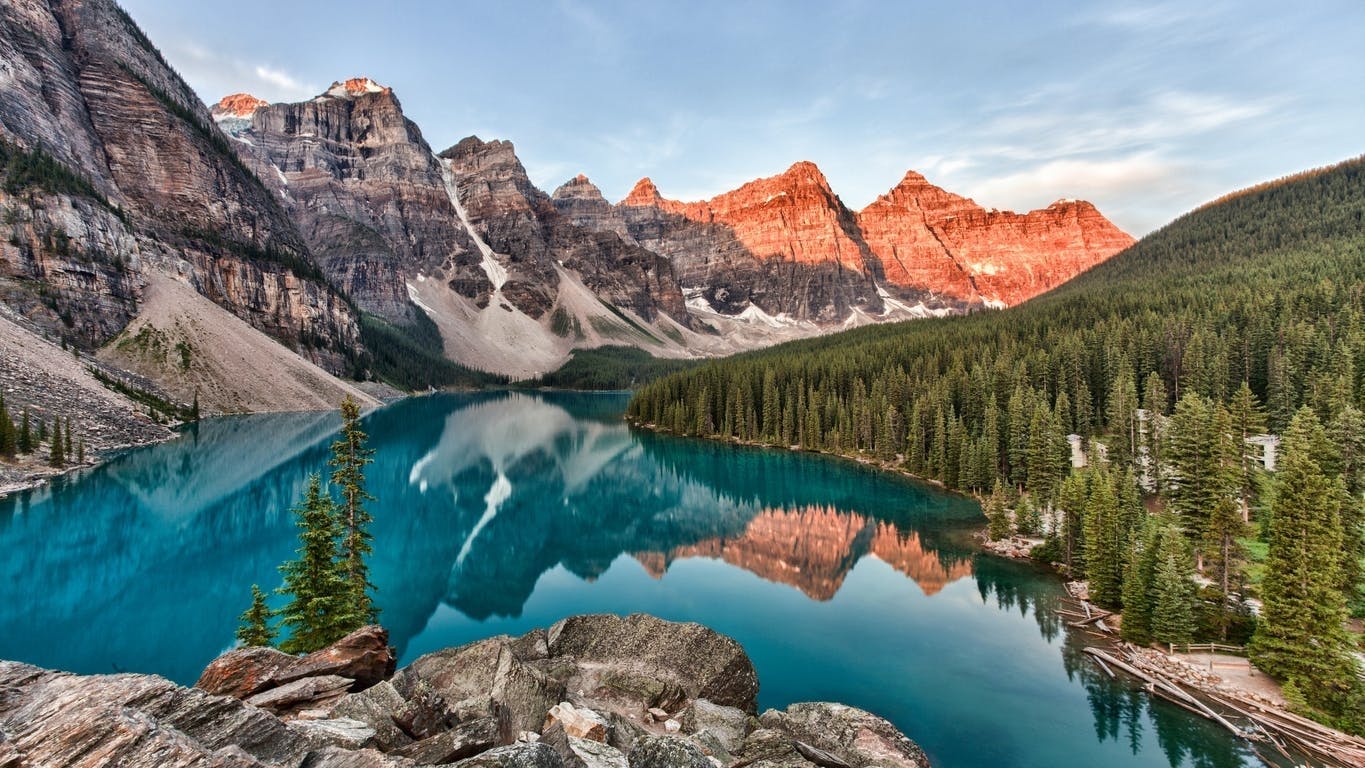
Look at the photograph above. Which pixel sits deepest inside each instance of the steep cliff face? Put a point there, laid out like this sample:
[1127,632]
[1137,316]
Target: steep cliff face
[785,245]
[364,188]
[929,238]
[535,232]
[134,177]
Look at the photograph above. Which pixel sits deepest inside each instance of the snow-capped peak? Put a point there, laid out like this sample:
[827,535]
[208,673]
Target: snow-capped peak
[355,87]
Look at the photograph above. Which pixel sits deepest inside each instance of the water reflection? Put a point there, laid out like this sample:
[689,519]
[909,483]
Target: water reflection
[501,512]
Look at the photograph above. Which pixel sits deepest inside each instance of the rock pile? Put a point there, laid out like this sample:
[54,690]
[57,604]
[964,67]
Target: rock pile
[589,692]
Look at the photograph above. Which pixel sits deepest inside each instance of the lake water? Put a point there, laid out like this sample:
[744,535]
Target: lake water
[501,512]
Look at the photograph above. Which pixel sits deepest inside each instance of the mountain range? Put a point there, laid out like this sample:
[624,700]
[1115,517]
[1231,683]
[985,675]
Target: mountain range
[327,238]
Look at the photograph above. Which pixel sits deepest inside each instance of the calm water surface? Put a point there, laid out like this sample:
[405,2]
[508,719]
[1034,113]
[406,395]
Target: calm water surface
[502,512]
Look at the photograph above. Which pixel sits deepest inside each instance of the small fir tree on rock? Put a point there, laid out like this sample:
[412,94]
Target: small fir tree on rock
[319,611]
[349,459]
[255,629]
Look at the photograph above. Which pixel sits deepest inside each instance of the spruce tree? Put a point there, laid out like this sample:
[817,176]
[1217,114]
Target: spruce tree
[1027,518]
[1104,541]
[1300,637]
[9,436]
[997,515]
[1173,592]
[1248,419]
[254,628]
[57,455]
[25,442]
[80,451]
[1139,575]
[320,610]
[349,459]
[68,450]
[1224,555]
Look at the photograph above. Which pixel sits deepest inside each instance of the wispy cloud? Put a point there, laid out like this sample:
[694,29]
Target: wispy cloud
[214,74]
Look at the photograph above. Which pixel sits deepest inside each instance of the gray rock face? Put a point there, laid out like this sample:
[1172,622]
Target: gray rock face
[519,220]
[84,85]
[366,191]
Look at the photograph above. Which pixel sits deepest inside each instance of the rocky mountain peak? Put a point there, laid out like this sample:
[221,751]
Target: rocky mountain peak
[579,188]
[238,105]
[356,86]
[643,193]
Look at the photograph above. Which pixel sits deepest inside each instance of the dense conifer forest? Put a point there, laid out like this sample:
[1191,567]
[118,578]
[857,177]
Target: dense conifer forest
[1243,317]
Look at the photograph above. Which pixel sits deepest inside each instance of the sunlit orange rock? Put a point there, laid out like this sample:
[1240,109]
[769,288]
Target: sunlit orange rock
[928,237]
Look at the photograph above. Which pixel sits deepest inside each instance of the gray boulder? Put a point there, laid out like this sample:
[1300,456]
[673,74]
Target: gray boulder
[857,737]
[635,650]
[666,752]
[464,740]
[375,707]
[340,732]
[519,755]
[723,727]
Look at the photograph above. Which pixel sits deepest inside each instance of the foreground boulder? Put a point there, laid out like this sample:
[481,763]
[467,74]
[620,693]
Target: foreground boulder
[589,692]
[364,657]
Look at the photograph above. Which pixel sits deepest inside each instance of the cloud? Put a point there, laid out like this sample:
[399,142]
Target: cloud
[1162,117]
[1142,172]
[214,74]
[283,81]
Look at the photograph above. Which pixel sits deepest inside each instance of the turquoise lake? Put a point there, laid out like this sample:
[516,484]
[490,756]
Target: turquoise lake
[501,512]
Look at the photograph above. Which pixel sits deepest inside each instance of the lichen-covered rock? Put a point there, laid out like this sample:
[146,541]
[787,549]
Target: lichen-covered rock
[857,737]
[702,662]
[378,707]
[520,755]
[341,732]
[727,726]
[464,740]
[523,695]
[54,718]
[666,752]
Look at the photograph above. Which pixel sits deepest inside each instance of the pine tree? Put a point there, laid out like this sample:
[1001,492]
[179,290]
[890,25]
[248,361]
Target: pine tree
[349,458]
[57,456]
[67,449]
[25,442]
[1248,419]
[42,430]
[1173,592]
[320,610]
[1028,519]
[997,515]
[1139,575]
[1104,541]
[9,436]
[80,452]
[255,629]
[1299,637]
[1224,555]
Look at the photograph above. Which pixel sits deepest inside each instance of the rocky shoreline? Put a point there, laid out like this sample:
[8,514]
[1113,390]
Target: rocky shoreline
[596,691]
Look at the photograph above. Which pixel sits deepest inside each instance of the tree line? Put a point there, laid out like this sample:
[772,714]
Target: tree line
[1238,318]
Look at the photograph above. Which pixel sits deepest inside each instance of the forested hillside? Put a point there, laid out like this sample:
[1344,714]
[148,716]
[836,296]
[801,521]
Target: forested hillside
[1244,316]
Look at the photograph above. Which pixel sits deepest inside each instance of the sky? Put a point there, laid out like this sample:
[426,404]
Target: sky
[1145,109]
